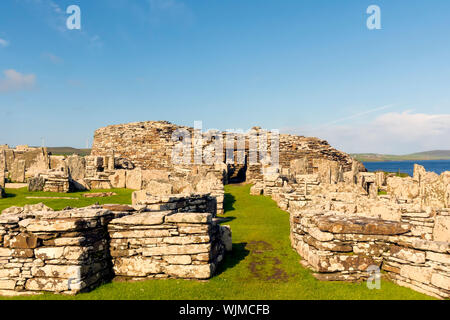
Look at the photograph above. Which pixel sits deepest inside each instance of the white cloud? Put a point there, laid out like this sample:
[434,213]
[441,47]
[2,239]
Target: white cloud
[391,133]
[16,81]
[4,43]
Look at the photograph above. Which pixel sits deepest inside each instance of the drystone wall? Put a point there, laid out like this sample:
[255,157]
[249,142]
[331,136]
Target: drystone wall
[149,145]
[345,248]
[22,162]
[341,225]
[165,245]
[76,250]
[62,252]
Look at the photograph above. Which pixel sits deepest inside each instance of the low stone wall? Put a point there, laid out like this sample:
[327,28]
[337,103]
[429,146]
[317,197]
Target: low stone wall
[176,202]
[163,245]
[342,247]
[62,252]
[76,250]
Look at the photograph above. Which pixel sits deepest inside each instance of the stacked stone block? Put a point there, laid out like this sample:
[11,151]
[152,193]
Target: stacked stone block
[166,245]
[342,247]
[75,250]
[175,202]
[62,252]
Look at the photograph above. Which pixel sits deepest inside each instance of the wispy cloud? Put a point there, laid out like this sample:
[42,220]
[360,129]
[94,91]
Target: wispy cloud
[4,43]
[52,58]
[357,115]
[392,133]
[16,81]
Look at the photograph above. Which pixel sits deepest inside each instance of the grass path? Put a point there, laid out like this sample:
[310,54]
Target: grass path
[262,265]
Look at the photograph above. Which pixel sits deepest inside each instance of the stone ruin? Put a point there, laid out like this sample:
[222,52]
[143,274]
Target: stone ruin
[343,226]
[76,250]
[138,156]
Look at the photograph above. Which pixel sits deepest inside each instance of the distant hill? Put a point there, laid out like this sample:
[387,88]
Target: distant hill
[428,155]
[67,151]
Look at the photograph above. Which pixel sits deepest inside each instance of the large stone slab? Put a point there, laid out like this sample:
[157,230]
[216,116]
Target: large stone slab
[190,271]
[189,217]
[142,219]
[136,266]
[441,231]
[358,225]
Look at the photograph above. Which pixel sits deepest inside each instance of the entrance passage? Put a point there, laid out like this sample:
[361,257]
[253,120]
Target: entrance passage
[237,174]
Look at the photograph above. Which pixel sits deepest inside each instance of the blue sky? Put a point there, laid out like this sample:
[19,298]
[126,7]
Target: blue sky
[304,67]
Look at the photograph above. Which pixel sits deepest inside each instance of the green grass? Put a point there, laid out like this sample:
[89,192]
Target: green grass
[18,198]
[262,265]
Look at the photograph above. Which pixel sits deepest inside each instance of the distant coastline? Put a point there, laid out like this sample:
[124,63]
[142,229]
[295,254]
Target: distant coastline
[407,166]
[421,156]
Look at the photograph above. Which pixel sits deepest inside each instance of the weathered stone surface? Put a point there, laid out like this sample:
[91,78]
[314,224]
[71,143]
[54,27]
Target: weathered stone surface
[188,239]
[189,217]
[419,274]
[134,179]
[176,250]
[319,235]
[407,254]
[439,257]
[118,208]
[5,252]
[36,184]
[17,173]
[12,211]
[7,284]
[186,259]
[76,168]
[57,271]
[119,179]
[145,218]
[34,225]
[136,266]
[356,225]
[158,188]
[22,241]
[190,271]
[49,253]
[441,281]
[40,207]
[441,231]
[47,284]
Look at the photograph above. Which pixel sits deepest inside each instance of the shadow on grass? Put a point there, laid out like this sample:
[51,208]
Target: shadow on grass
[228,203]
[10,195]
[226,219]
[233,258]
